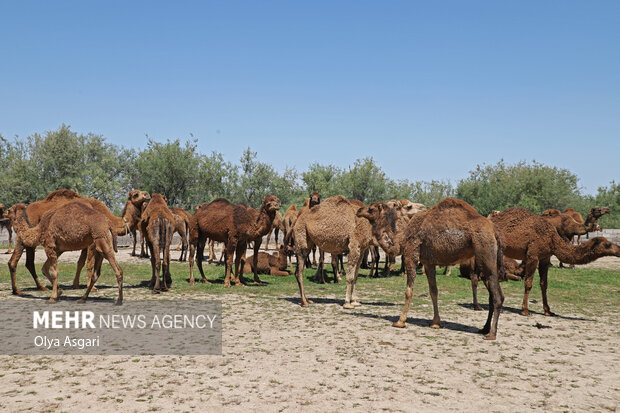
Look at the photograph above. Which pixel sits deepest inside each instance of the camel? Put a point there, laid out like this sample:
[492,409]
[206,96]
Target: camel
[121,225]
[333,227]
[235,225]
[157,225]
[5,222]
[449,233]
[137,198]
[565,225]
[70,227]
[278,225]
[181,226]
[592,218]
[268,263]
[531,238]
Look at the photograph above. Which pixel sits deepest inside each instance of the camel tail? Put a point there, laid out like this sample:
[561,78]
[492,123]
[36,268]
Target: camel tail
[114,240]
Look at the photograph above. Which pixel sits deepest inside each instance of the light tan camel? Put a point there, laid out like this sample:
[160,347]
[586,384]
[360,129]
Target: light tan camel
[449,233]
[70,227]
[333,227]
[532,238]
[272,264]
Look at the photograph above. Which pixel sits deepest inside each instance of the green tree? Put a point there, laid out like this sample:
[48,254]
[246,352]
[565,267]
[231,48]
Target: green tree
[609,196]
[365,181]
[321,178]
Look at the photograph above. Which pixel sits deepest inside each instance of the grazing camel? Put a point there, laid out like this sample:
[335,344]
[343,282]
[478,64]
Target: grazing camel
[531,238]
[235,226]
[72,226]
[157,225]
[449,233]
[268,263]
[278,225]
[333,227]
[5,222]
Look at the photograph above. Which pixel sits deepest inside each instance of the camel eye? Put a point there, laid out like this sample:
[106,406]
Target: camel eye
[608,245]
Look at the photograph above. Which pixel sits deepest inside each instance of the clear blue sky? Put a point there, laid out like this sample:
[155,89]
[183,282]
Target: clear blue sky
[429,89]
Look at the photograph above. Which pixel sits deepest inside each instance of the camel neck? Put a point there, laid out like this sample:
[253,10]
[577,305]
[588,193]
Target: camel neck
[28,234]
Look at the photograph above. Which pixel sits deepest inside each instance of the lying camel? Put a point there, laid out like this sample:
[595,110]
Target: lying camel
[268,263]
[72,226]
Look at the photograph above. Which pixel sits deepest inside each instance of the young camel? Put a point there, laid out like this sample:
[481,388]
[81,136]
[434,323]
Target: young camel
[157,225]
[235,226]
[449,233]
[532,238]
[72,226]
[181,226]
[268,263]
[333,227]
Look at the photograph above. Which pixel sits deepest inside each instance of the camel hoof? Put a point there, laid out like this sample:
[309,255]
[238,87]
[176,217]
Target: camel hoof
[59,292]
[51,301]
[356,304]
[81,300]
[192,282]
[205,281]
[550,314]
[94,289]
[490,337]
[118,302]
[75,287]
[398,324]
[18,292]
[348,306]
[304,303]
[42,288]
[155,292]
[227,284]
[525,312]
[477,308]
[435,325]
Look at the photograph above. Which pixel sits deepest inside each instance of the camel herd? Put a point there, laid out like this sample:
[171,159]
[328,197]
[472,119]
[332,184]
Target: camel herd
[451,232]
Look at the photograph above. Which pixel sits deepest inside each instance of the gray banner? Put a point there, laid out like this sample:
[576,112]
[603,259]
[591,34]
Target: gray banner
[187,327]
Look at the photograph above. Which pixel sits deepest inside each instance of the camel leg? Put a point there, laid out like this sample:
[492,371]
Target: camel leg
[432,288]
[302,255]
[474,289]
[211,251]
[31,268]
[267,242]
[448,271]
[356,265]
[364,264]
[335,268]
[133,251]
[530,269]
[10,230]
[240,263]
[230,247]
[190,261]
[80,264]
[200,251]
[94,271]
[256,247]
[411,274]
[51,268]
[156,259]
[276,232]
[543,269]
[17,253]
[354,257]
[319,276]
[314,256]
[496,299]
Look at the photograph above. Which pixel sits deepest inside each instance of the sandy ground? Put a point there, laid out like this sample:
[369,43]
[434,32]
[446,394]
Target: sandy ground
[278,356]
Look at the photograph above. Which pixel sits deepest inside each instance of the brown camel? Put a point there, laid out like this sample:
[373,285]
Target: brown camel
[137,198]
[278,225]
[333,227]
[5,223]
[157,225]
[592,218]
[181,226]
[70,227]
[268,263]
[565,225]
[235,225]
[55,199]
[531,238]
[449,233]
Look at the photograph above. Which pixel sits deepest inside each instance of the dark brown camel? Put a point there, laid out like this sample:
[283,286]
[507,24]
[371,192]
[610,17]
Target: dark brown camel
[70,227]
[157,225]
[235,226]
[449,233]
[532,238]
[593,217]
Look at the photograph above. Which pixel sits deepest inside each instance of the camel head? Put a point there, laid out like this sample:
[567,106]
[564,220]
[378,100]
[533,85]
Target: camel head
[158,199]
[271,203]
[573,227]
[394,203]
[315,199]
[18,210]
[137,197]
[493,213]
[373,211]
[602,247]
[412,208]
[598,212]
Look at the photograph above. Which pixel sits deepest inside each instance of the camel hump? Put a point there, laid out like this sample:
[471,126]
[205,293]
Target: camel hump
[222,201]
[62,193]
[338,199]
[551,213]
[449,203]
[569,210]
